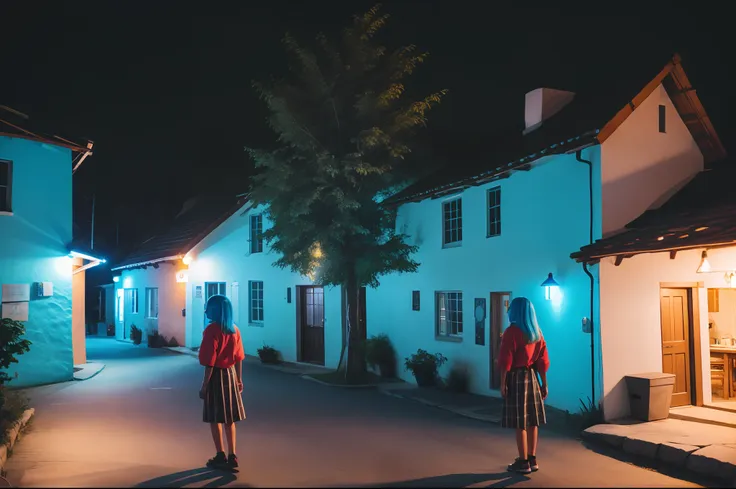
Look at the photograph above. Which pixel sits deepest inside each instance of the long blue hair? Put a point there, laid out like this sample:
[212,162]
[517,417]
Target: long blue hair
[522,314]
[219,309]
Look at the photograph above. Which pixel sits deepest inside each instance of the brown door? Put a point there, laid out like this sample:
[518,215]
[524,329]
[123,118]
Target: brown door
[675,313]
[499,320]
[312,325]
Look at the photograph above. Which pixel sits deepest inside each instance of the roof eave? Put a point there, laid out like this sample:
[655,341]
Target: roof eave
[147,262]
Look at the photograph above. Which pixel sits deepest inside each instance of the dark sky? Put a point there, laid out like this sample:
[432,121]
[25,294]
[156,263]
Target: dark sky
[163,87]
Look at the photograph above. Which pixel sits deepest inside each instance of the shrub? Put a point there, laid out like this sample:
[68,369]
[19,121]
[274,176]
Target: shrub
[424,366]
[379,352]
[590,414]
[155,340]
[173,342]
[268,354]
[136,334]
[458,380]
[11,345]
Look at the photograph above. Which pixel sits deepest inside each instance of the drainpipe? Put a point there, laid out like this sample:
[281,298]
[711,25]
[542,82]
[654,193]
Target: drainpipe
[578,155]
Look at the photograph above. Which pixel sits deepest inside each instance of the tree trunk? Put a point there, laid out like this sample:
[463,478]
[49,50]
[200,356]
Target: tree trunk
[356,359]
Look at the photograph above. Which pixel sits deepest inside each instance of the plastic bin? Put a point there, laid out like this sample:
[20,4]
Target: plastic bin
[650,395]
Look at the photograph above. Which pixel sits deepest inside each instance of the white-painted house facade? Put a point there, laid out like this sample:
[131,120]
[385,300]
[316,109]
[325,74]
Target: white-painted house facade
[496,235]
[42,271]
[272,306]
[151,283]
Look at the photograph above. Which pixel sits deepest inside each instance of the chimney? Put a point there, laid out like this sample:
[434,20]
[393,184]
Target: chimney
[543,103]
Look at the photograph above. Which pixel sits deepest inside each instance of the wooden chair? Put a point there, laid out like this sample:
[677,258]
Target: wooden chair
[718,375]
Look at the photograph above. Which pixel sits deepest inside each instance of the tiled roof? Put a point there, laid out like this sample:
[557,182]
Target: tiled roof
[702,214]
[578,124]
[188,228]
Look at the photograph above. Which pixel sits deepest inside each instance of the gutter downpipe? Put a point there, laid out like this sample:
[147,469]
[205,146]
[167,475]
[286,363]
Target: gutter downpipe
[578,155]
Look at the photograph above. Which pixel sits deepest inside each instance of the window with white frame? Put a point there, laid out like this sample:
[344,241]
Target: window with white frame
[255,308]
[452,222]
[151,303]
[449,314]
[256,233]
[494,212]
[6,185]
[134,301]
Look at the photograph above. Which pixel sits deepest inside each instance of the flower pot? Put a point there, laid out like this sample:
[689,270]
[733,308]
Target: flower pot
[425,378]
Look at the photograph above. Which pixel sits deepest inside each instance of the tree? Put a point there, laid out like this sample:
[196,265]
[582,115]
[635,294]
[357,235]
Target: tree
[345,127]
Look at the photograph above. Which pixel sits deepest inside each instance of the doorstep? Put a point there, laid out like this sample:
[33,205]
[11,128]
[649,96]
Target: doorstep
[705,415]
[86,371]
[704,449]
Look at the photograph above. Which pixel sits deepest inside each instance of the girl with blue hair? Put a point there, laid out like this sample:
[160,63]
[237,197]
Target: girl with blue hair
[523,355]
[222,355]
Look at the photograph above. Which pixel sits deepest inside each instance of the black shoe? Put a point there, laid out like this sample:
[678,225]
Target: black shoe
[533,463]
[520,466]
[232,461]
[219,461]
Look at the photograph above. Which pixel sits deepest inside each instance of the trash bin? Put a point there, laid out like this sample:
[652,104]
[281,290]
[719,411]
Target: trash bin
[650,395]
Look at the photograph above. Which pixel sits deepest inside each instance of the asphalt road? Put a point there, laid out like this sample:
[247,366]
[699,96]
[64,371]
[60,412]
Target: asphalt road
[138,423]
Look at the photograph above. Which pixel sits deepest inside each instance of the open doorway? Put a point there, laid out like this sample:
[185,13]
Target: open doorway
[499,322]
[722,347]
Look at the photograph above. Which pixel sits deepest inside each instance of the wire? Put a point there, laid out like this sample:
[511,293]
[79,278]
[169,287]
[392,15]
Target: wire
[4,482]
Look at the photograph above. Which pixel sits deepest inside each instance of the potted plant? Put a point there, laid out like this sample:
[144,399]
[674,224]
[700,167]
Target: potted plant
[155,340]
[136,334]
[380,354]
[268,354]
[424,366]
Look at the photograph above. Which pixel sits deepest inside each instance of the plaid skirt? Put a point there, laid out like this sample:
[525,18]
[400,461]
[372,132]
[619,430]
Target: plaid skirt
[523,406]
[222,401]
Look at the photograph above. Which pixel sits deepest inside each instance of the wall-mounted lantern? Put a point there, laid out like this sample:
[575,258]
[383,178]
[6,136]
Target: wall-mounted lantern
[548,285]
[116,278]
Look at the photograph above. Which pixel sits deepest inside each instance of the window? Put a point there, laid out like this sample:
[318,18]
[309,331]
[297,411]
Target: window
[449,313]
[134,301]
[256,302]
[151,303]
[494,212]
[6,180]
[662,119]
[452,222]
[256,231]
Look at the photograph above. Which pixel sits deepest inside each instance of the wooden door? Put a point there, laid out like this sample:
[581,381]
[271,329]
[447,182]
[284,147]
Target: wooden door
[499,321]
[675,320]
[312,325]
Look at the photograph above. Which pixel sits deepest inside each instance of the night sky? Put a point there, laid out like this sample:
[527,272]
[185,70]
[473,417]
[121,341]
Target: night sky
[163,87]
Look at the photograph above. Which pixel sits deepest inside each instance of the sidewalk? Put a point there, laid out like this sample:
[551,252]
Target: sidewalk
[704,449]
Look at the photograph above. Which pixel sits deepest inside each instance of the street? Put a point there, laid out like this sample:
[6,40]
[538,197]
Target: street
[138,423]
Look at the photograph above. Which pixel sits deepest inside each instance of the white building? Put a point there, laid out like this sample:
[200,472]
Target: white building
[583,167]
[42,271]
[272,306]
[151,287]
[668,296]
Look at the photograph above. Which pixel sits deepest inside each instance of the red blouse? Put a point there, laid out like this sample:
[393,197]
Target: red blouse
[515,352]
[219,349]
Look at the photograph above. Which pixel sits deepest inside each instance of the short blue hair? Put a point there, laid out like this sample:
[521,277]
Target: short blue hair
[523,315]
[219,309]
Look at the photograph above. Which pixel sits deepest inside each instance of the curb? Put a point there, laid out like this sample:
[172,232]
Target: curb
[672,455]
[91,376]
[460,412]
[339,386]
[14,436]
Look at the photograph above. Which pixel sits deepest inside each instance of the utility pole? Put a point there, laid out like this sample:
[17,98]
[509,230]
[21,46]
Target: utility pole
[92,238]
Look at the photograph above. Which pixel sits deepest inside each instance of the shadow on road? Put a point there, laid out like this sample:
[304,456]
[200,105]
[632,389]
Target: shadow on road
[502,479]
[216,478]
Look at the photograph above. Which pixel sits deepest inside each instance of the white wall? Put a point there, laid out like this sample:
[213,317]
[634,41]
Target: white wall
[642,167]
[545,216]
[224,256]
[33,249]
[630,315]
[724,321]
[171,301]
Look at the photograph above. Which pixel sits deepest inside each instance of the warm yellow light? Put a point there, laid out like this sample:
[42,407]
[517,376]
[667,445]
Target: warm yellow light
[187,260]
[660,238]
[317,251]
[704,264]
[701,229]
